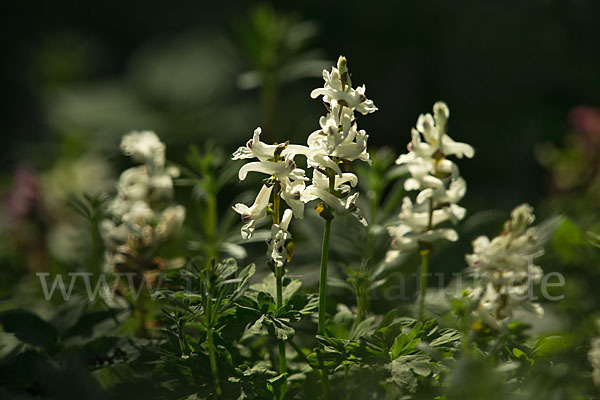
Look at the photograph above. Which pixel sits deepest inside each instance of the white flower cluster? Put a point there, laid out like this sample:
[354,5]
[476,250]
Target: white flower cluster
[594,358]
[337,141]
[276,161]
[438,180]
[278,245]
[504,266]
[142,215]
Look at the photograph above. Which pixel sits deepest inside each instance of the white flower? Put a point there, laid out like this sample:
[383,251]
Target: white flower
[338,88]
[434,128]
[170,220]
[436,178]
[254,214]
[134,184]
[339,136]
[416,226]
[338,140]
[144,147]
[138,215]
[291,193]
[287,174]
[277,250]
[266,152]
[340,201]
[141,214]
[504,265]
[280,170]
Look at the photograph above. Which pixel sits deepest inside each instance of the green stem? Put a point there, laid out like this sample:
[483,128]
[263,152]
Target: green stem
[324,261]
[211,224]
[298,350]
[423,281]
[268,104]
[323,278]
[323,282]
[209,338]
[362,301]
[425,266]
[213,363]
[279,287]
[282,359]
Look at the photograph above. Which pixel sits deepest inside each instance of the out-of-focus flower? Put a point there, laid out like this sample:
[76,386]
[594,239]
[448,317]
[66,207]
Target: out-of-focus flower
[142,213]
[504,267]
[594,358]
[144,147]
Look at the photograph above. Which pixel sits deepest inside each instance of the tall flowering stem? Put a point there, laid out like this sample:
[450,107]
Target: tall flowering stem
[440,189]
[323,277]
[424,252]
[337,141]
[285,182]
[328,215]
[279,272]
[423,281]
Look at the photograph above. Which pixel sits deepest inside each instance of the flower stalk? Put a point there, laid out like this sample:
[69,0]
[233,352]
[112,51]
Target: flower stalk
[323,277]
[328,214]
[212,354]
[424,252]
[279,272]
[423,281]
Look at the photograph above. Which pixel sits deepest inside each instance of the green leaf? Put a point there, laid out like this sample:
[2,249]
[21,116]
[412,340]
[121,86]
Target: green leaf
[29,328]
[290,289]
[256,327]
[361,329]
[450,336]
[388,318]
[552,344]
[399,344]
[520,354]
[226,268]
[403,371]
[280,329]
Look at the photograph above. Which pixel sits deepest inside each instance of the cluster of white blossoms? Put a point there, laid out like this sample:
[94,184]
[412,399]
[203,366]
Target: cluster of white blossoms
[438,180]
[337,141]
[142,215]
[284,180]
[277,162]
[504,267]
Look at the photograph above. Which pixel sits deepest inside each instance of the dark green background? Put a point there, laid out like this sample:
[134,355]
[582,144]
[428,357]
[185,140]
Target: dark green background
[509,70]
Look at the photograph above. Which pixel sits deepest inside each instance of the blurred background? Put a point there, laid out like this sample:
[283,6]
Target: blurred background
[76,75]
[522,80]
